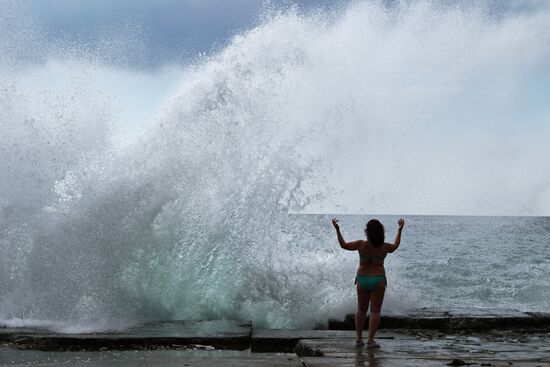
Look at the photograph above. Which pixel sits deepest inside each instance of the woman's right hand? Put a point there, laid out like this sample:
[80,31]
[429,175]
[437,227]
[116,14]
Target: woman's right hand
[335,224]
[400,224]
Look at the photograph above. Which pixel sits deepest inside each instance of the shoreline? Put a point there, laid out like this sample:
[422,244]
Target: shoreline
[398,348]
[455,320]
[241,335]
[482,336]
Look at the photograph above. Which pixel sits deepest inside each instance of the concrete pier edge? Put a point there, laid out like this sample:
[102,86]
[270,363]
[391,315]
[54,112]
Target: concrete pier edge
[443,335]
[455,320]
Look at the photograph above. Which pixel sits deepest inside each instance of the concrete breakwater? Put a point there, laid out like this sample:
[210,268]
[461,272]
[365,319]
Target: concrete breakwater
[238,335]
[485,338]
[456,320]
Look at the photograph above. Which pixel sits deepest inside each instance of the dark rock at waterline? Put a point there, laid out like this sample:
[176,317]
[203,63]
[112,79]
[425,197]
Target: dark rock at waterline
[455,320]
[458,362]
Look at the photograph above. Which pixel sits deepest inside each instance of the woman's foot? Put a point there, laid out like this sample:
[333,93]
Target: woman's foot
[359,343]
[372,345]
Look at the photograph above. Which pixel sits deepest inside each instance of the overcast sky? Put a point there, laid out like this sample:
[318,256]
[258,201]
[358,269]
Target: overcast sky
[164,31]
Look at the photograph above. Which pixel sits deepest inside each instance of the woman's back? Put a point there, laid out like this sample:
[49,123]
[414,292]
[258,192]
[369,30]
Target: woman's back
[371,259]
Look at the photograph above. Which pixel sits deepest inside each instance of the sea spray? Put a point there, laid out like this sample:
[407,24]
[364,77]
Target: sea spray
[191,223]
[194,220]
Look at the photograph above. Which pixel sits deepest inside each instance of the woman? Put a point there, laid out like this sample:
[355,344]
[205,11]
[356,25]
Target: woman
[371,275]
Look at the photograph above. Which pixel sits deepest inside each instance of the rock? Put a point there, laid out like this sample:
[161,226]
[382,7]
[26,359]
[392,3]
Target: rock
[455,320]
[203,347]
[457,362]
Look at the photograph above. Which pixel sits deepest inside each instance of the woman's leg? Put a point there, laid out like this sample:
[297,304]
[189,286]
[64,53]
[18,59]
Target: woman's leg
[376,299]
[363,298]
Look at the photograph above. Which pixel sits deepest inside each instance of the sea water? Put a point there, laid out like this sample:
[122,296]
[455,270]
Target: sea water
[201,215]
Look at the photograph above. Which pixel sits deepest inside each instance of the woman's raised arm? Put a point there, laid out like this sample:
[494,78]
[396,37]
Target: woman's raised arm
[351,246]
[393,246]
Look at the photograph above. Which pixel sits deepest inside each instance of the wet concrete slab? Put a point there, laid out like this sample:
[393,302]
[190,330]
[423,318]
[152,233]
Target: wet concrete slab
[373,361]
[150,358]
[435,348]
[271,340]
[221,334]
[404,350]
[213,343]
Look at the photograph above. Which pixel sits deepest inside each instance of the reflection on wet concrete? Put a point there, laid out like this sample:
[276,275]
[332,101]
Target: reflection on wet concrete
[366,358]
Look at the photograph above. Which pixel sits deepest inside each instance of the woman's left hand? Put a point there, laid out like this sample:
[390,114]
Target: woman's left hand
[400,224]
[335,224]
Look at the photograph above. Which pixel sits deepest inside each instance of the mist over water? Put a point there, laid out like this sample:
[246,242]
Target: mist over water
[410,108]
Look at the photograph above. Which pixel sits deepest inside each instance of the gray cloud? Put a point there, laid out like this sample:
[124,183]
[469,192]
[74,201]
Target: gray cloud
[146,33]
[137,33]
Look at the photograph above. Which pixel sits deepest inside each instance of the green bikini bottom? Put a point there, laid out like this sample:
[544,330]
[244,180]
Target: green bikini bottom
[369,282]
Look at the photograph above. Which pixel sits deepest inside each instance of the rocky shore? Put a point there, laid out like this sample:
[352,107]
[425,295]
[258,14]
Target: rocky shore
[429,337]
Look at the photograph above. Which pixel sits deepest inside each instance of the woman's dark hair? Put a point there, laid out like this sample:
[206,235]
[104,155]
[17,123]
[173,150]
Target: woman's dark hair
[375,232]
